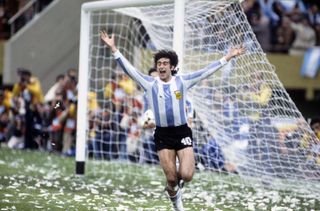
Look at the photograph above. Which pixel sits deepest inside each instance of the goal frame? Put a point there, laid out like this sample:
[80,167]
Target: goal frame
[84,60]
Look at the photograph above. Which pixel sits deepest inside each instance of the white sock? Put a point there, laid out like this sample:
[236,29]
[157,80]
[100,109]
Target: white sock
[177,201]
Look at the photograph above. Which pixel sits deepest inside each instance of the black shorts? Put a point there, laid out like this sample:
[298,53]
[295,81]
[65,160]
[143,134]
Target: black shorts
[176,138]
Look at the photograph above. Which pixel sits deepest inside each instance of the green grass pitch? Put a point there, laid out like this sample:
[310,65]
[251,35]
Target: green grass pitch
[31,180]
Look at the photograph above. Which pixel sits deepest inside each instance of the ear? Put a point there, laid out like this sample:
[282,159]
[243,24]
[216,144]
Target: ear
[172,67]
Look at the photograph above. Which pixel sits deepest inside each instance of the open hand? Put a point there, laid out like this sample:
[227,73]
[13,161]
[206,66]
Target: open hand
[235,51]
[109,41]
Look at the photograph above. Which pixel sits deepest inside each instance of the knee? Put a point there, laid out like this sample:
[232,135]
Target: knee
[187,176]
[172,180]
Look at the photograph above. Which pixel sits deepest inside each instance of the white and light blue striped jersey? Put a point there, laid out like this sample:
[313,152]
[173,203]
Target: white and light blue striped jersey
[189,106]
[167,100]
[145,102]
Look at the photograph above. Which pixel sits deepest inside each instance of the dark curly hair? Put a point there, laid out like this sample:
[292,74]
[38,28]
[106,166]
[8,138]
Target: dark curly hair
[171,55]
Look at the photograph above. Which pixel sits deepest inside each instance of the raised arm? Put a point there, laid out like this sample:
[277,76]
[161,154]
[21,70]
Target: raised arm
[126,66]
[192,78]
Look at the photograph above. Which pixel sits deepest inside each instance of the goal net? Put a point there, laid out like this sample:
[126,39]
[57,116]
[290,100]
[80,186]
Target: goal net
[243,119]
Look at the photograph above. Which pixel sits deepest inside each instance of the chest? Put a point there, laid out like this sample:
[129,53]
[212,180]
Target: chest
[170,92]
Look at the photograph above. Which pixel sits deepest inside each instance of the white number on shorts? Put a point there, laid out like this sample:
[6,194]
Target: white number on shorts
[186,141]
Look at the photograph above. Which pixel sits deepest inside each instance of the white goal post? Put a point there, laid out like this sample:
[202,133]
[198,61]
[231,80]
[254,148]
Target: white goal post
[244,121]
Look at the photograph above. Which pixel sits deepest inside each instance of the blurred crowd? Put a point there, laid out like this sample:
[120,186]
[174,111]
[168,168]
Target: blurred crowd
[284,26]
[30,120]
[9,8]
[280,25]
[252,131]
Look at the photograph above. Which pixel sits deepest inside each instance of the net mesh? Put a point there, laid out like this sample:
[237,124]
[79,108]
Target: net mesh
[244,121]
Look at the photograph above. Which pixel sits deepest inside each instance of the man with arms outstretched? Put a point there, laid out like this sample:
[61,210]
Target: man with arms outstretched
[167,99]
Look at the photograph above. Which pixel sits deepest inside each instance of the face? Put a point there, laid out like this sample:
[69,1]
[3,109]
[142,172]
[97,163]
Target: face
[164,69]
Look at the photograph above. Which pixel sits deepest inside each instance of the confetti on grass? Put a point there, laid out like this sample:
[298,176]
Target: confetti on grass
[41,181]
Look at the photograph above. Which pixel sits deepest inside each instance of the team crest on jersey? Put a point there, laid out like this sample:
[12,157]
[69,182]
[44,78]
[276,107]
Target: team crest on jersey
[178,94]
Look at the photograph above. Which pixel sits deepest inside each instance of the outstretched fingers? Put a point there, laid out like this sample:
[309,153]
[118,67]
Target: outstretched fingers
[239,50]
[103,34]
[242,49]
[109,41]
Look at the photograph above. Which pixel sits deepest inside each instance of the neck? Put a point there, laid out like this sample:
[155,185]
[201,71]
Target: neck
[167,79]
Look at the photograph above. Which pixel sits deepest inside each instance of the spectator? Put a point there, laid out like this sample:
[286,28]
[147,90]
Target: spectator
[305,37]
[117,89]
[260,25]
[314,145]
[56,125]
[68,117]
[273,11]
[120,134]
[39,125]
[259,97]
[284,36]
[93,113]
[129,123]
[29,88]
[4,117]
[69,89]
[296,13]
[62,97]
[17,140]
[314,19]
[103,140]
[213,158]
[277,21]
[56,88]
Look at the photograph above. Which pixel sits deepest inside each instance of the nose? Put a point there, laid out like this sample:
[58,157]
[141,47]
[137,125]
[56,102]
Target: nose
[161,64]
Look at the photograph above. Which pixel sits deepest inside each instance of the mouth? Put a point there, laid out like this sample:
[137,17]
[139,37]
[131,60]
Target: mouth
[162,71]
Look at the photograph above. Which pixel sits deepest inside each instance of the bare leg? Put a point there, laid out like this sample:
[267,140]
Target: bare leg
[168,163]
[187,164]
[186,169]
